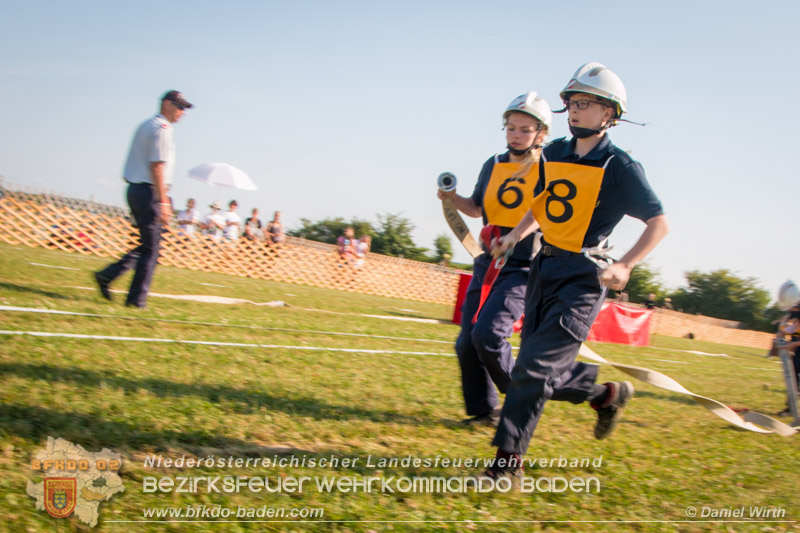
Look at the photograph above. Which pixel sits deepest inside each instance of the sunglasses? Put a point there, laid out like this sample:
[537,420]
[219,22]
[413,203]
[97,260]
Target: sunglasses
[179,106]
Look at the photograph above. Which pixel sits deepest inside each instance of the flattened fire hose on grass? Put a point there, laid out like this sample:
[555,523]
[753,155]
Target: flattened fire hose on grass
[750,421]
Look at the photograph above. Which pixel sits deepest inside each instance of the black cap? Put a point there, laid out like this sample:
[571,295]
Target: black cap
[177,97]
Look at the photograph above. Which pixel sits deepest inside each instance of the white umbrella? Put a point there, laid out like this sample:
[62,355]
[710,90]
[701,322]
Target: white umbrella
[223,174]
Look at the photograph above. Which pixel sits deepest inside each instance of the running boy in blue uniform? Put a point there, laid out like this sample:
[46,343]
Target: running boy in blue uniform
[586,185]
[501,197]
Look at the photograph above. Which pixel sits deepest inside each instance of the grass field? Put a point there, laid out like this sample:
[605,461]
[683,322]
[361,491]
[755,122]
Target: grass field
[140,398]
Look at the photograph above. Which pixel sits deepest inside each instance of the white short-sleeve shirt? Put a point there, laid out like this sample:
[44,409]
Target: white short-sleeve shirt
[187,219]
[151,143]
[232,232]
[218,218]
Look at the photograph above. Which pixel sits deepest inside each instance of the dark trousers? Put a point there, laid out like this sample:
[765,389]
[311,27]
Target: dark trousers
[563,300]
[796,361]
[144,257]
[483,350]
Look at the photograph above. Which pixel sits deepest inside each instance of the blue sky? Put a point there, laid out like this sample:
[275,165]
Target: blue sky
[353,108]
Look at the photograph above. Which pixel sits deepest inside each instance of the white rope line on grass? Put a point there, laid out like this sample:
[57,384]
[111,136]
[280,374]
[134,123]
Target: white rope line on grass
[694,352]
[383,317]
[53,266]
[764,369]
[202,298]
[12,309]
[233,301]
[212,343]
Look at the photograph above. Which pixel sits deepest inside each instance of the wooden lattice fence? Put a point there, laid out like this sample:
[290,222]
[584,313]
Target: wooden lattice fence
[47,220]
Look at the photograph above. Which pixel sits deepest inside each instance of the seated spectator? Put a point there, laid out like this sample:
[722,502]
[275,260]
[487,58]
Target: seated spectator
[347,244]
[214,223]
[275,231]
[362,249]
[252,227]
[188,218]
[233,222]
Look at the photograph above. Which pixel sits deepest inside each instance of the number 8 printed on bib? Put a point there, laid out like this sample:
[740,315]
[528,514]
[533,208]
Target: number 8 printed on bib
[565,207]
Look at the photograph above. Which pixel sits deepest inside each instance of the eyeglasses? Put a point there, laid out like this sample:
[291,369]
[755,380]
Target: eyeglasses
[583,104]
[179,106]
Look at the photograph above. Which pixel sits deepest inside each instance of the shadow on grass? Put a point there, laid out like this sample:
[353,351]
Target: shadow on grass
[244,401]
[677,398]
[24,289]
[37,423]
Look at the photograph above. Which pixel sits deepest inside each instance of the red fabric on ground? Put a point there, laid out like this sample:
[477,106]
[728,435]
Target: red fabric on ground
[622,324]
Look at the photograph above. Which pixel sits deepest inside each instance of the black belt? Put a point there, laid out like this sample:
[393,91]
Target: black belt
[552,251]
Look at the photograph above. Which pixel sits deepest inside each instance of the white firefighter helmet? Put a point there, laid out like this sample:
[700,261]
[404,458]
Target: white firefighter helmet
[788,296]
[599,80]
[531,104]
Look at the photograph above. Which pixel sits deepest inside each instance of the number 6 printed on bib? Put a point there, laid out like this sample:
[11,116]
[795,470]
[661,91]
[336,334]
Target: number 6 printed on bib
[507,198]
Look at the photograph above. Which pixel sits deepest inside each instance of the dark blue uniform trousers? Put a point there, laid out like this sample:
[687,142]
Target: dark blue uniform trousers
[144,257]
[563,300]
[483,350]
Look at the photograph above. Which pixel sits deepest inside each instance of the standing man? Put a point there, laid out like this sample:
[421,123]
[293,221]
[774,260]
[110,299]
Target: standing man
[148,171]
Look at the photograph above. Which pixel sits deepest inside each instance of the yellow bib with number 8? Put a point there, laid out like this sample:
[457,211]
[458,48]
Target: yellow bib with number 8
[565,207]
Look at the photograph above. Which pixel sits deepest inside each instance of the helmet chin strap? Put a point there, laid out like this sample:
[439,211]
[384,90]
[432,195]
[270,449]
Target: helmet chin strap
[582,133]
[519,153]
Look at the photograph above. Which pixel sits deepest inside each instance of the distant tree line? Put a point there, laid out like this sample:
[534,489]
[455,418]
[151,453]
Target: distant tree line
[718,294]
[390,236]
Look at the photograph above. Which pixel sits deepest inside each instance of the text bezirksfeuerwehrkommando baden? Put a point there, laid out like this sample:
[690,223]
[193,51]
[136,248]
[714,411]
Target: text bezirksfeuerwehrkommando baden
[381,482]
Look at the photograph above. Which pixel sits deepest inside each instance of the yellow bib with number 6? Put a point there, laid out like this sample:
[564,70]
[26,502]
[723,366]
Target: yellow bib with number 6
[507,199]
[565,207]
